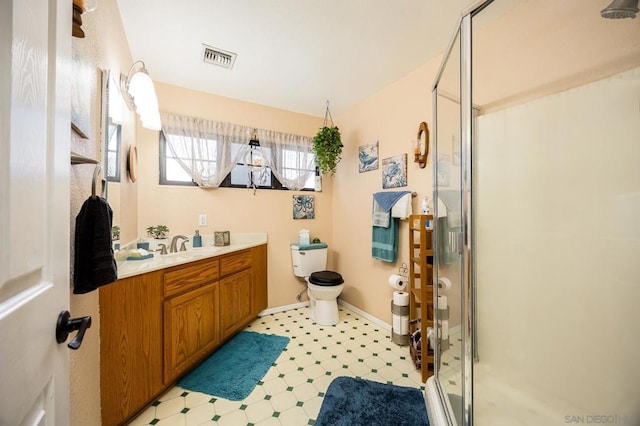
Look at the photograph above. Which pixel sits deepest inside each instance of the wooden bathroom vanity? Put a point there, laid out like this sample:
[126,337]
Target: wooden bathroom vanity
[156,326]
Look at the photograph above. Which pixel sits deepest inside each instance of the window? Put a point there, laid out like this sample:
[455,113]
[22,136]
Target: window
[172,173]
[113,151]
[240,176]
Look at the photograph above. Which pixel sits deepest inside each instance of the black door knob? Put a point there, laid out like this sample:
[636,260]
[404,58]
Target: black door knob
[66,325]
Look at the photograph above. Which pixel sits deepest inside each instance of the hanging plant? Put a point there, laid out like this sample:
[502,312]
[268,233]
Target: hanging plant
[327,146]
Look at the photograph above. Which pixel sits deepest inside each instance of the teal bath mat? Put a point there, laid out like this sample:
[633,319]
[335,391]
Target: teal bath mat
[234,370]
[359,402]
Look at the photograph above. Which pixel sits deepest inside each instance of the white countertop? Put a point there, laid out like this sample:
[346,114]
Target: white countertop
[129,268]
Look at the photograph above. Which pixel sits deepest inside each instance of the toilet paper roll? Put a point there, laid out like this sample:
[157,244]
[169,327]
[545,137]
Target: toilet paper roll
[442,302]
[398,282]
[404,325]
[397,323]
[401,298]
[444,327]
[444,283]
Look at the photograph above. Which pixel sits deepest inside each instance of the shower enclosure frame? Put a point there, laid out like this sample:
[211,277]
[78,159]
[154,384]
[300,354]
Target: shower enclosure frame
[437,396]
[567,88]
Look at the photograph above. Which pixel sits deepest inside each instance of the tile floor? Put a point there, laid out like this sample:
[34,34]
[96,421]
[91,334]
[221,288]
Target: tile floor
[292,390]
[451,365]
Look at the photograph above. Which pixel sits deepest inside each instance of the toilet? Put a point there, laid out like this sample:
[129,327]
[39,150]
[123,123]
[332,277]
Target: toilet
[323,287]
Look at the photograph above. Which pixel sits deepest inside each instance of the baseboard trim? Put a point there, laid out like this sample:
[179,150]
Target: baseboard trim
[377,321]
[364,314]
[283,308]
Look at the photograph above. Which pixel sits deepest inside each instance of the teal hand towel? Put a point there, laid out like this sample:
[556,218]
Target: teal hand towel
[384,242]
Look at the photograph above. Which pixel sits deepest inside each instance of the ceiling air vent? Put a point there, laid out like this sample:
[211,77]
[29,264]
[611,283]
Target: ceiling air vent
[213,55]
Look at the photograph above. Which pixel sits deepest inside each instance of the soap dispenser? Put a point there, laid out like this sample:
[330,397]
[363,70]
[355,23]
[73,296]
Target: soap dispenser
[197,239]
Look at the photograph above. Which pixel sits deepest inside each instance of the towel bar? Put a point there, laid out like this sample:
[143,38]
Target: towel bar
[81,159]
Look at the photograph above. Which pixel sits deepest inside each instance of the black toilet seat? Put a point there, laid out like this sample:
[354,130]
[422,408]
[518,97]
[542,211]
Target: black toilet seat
[326,278]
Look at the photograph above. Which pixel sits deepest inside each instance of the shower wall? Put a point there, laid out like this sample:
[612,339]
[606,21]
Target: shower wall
[557,220]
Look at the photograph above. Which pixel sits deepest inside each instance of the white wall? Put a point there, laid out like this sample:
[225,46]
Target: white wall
[558,244]
[104,47]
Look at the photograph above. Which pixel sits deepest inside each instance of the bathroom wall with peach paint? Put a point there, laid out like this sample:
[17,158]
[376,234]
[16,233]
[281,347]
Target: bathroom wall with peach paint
[104,47]
[237,210]
[391,117]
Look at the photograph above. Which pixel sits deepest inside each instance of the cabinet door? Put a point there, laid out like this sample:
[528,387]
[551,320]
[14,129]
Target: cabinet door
[235,302]
[190,329]
[259,268]
[131,370]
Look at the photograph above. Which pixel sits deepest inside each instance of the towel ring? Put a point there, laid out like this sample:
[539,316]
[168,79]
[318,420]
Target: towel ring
[94,183]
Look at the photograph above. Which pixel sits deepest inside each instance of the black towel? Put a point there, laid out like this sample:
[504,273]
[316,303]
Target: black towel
[94,264]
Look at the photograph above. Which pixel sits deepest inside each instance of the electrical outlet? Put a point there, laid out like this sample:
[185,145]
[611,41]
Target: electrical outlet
[202,220]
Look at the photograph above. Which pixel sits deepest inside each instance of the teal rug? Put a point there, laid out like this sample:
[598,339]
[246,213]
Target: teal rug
[359,402]
[236,368]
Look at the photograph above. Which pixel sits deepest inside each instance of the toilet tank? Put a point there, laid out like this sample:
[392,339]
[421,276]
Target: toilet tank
[308,258]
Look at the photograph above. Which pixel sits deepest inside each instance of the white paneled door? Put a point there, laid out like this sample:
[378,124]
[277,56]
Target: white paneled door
[35,50]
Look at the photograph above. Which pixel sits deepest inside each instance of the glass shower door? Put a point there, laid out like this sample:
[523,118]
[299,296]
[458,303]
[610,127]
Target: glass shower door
[448,230]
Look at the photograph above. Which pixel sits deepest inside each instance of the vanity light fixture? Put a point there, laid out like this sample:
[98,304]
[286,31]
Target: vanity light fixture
[139,93]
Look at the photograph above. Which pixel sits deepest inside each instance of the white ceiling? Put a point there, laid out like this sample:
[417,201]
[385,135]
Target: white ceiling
[292,54]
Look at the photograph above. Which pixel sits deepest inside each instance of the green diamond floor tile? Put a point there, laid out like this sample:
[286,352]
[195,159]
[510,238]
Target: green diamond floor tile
[316,355]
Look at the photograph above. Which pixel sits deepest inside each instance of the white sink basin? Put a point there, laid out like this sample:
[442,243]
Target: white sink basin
[194,253]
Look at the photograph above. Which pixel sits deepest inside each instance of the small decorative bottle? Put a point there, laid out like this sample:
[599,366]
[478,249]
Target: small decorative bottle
[424,205]
[197,239]
[424,209]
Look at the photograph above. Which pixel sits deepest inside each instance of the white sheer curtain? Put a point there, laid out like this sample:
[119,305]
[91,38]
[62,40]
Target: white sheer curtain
[206,150]
[292,160]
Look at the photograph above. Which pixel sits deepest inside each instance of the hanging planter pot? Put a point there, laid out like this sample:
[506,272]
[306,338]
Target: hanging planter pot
[327,146]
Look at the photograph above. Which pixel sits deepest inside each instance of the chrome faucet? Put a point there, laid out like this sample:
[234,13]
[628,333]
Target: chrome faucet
[173,247]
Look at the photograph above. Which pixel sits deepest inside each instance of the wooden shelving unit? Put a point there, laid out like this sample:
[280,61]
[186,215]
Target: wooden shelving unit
[421,314]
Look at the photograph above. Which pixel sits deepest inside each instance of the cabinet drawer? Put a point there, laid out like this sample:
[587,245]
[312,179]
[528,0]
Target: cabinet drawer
[191,276]
[235,262]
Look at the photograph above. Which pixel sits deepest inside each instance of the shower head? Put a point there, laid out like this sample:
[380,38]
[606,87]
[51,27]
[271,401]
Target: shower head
[619,9]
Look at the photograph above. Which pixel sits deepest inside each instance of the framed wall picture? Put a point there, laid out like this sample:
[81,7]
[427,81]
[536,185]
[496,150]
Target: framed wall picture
[394,171]
[303,207]
[368,157]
